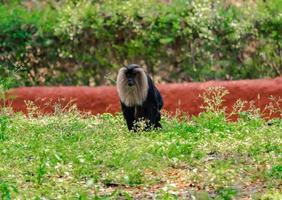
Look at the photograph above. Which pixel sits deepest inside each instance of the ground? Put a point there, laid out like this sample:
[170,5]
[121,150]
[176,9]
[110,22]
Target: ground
[72,156]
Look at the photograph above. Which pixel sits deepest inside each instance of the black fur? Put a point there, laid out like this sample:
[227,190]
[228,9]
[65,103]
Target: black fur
[148,111]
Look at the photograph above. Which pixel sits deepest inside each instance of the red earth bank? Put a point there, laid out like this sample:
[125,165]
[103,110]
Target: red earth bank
[184,97]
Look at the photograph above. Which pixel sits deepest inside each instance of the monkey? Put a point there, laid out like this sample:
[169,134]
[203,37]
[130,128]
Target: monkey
[139,97]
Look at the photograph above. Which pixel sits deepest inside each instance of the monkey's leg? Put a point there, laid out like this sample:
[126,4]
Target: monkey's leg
[158,119]
[128,114]
[153,115]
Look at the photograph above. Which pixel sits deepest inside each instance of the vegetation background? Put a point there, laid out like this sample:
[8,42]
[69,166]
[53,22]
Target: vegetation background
[84,42]
[69,155]
[73,155]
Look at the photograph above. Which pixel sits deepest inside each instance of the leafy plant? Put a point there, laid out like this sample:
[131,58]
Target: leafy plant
[276,172]
[41,170]
[4,123]
[226,193]
[6,189]
[82,42]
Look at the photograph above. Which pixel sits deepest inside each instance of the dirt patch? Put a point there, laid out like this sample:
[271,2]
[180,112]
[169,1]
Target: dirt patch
[184,97]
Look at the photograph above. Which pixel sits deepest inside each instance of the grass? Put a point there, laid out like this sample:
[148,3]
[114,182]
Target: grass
[69,155]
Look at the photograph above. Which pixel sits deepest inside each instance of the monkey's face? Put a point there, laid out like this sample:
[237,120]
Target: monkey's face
[131,74]
[131,78]
[132,85]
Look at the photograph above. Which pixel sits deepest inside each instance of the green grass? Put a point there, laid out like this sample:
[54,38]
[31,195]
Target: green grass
[70,156]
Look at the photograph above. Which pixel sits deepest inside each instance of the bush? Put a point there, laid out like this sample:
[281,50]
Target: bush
[82,42]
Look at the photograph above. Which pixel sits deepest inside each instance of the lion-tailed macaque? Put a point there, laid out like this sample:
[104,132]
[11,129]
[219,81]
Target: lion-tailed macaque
[140,99]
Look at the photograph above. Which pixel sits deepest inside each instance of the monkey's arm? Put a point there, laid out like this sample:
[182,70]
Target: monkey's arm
[128,114]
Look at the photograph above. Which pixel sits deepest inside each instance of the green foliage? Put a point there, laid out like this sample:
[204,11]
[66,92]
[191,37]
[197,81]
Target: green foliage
[6,189]
[7,81]
[269,26]
[5,193]
[81,42]
[41,170]
[276,172]
[4,123]
[72,155]
[226,193]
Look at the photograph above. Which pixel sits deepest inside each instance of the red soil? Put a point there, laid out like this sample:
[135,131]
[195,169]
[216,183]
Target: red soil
[176,96]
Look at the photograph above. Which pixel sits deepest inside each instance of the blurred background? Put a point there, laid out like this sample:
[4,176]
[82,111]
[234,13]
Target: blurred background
[85,42]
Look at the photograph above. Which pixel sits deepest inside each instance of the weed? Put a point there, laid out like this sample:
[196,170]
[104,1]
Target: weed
[4,122]
[276,172]
[41,170]
[213,99]
[226,193]
[6,190]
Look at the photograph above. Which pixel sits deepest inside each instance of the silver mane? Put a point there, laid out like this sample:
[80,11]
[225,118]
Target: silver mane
[135,95]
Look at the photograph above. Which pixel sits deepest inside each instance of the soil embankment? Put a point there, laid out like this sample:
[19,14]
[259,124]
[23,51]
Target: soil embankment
[176,96]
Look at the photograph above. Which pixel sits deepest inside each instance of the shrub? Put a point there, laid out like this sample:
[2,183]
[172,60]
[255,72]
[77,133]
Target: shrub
[82,42]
